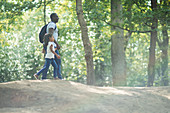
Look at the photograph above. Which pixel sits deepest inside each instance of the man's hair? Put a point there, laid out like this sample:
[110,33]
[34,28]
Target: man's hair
[46,39]
[51,16]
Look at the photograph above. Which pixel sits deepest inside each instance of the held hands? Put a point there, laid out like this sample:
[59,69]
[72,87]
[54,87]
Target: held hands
[58,56]
[58,47]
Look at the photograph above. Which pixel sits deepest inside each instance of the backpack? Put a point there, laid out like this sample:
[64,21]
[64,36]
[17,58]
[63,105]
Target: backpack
[43,32]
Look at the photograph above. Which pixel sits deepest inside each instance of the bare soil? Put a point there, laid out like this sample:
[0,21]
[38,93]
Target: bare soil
[56,96]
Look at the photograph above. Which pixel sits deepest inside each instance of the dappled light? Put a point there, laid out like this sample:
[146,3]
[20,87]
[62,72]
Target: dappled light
[111,91]
[57,96]
[84,56]
[22,57]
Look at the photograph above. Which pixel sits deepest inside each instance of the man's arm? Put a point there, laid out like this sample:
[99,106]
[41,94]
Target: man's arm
[58,46]
[51,31]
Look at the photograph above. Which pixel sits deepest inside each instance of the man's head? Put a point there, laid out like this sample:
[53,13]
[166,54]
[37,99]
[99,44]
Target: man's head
[54,17]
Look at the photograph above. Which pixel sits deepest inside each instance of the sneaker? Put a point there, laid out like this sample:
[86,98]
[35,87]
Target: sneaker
[36,76]
[56,79]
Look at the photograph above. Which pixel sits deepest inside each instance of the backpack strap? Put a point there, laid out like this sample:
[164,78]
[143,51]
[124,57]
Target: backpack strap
[55,27]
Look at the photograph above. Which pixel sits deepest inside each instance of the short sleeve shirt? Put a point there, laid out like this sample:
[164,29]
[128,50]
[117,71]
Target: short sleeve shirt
[49,52]
[53,26]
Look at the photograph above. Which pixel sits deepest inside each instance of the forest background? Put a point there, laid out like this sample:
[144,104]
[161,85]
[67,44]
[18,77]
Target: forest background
[22,20]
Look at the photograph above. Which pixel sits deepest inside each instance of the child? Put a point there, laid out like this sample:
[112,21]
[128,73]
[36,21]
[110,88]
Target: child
[49,57]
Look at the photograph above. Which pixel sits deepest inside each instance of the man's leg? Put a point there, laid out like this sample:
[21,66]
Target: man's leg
[54,64]
[58,61]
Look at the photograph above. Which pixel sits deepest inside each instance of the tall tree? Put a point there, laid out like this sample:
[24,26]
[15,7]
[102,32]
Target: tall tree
[86,43]
[44,12]
[117,47]
[151,65]
[163,43]
[164,56]
[128,5]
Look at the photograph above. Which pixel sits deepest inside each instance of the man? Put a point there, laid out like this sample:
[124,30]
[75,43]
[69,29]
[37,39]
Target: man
[52,29]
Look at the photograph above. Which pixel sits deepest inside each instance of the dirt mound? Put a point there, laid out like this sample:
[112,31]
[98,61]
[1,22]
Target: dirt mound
[56,96]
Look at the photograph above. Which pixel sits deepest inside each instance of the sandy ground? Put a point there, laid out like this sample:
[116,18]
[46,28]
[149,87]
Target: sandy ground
[56,96]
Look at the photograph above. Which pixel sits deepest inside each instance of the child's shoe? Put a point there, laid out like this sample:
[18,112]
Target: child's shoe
[36,76]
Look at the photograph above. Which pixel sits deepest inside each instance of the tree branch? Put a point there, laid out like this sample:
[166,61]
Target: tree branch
[125,28]
[159,42]
[147,24]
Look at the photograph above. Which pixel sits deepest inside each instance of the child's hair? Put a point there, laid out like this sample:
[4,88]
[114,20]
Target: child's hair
[46,39]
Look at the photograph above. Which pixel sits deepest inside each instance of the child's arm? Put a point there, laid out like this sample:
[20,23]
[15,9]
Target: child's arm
[55,48]
[51,48]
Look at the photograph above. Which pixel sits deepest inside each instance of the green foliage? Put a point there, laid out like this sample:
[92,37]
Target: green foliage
[11,11]
[20,49]
[20,54]
[137,60]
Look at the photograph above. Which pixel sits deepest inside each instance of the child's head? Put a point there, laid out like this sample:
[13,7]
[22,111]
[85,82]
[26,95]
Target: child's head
[48,38]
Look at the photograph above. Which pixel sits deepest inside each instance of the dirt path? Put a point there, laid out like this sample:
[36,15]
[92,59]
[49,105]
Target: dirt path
[50,96]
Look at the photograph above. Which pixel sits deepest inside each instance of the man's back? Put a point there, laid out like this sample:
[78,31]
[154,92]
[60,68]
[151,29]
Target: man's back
[52,25]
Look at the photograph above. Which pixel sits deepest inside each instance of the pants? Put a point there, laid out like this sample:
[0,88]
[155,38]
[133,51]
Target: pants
[46,67]
[58,62]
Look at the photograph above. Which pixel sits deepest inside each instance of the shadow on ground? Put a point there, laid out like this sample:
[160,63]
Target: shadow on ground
[56,96]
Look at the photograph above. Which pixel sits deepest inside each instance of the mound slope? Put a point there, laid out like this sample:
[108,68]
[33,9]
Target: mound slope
[56,96]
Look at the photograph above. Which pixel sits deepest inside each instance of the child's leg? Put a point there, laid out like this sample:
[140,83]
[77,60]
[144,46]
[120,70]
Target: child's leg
[44,74]
[54,64]
[46,66]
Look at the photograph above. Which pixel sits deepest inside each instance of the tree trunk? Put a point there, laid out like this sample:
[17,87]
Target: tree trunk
[117,46]
[164,57]
[163,45]
[151,65]
[86,43]
[128,35]
[45,12]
